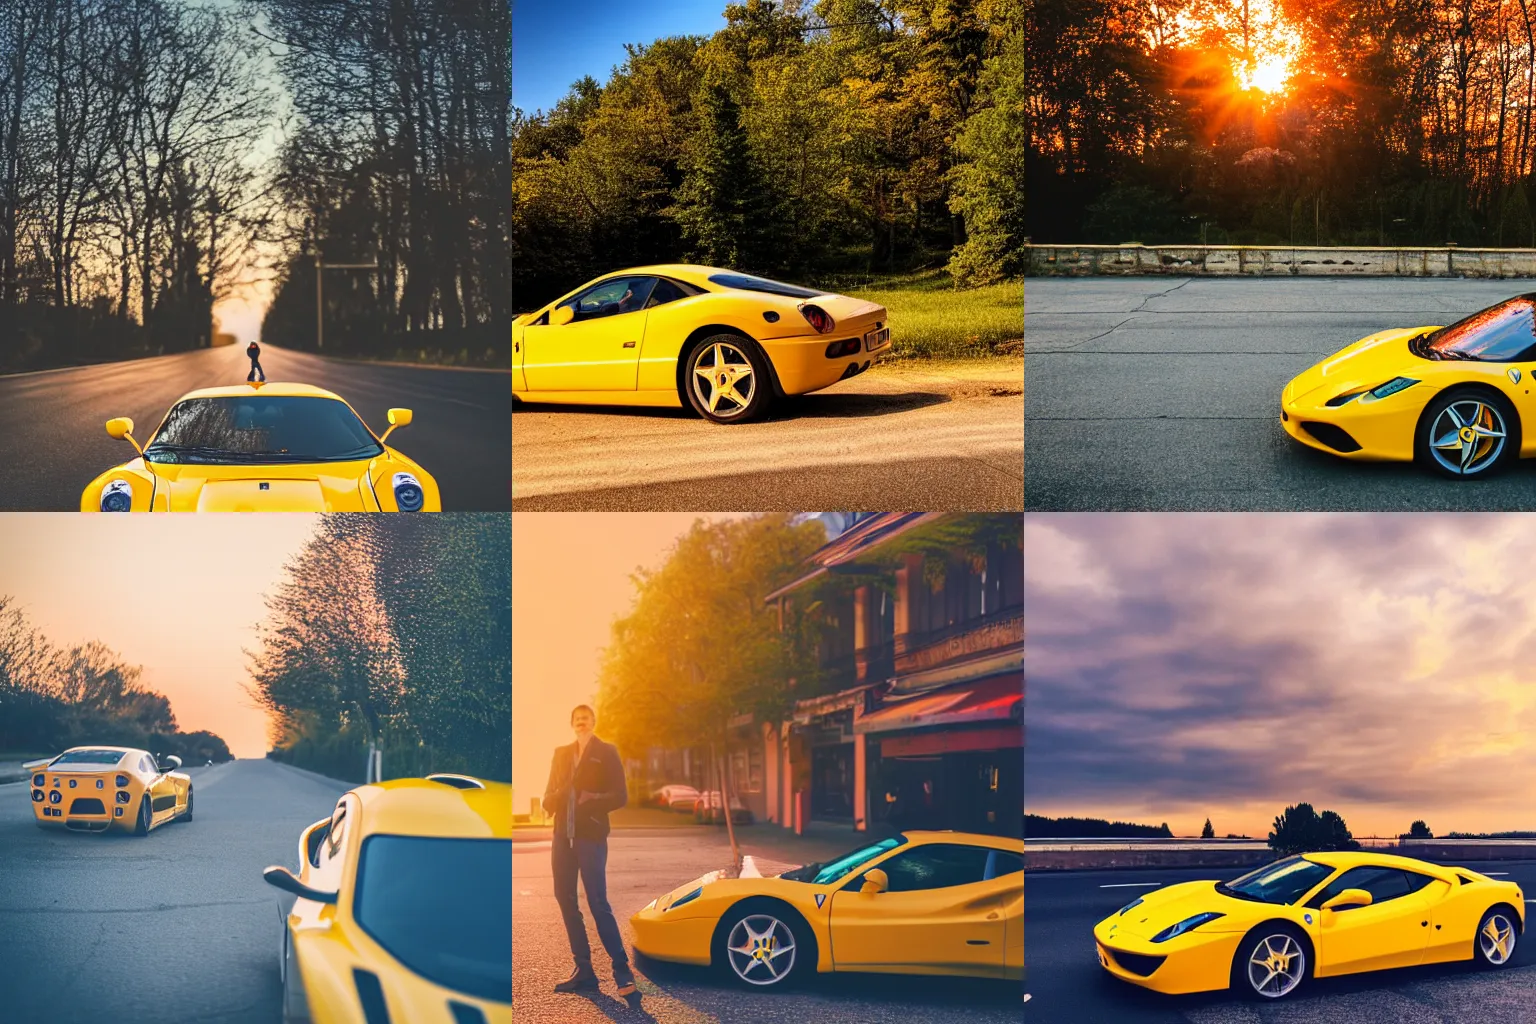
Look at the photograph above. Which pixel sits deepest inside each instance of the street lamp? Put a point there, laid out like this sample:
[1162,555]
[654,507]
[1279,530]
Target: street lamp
[320,294]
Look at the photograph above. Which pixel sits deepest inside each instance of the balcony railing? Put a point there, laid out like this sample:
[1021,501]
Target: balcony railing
[995,631]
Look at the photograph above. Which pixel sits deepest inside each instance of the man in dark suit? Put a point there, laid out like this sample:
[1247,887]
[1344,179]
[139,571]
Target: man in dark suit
[586,782]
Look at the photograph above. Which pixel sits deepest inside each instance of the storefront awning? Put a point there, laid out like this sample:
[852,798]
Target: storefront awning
[987,702]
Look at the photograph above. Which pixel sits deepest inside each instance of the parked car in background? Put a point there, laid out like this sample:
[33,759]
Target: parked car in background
[675,797]
[708,809]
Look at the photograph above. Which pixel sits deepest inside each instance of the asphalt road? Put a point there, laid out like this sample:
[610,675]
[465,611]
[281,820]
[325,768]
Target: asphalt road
[644,864]
[52,440]
[176,927]
[903,437]
[1067,985]
[1164,393]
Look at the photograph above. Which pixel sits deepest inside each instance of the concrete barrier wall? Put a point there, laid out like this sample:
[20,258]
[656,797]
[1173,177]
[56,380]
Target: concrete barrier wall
[1276,261]
[1449,852]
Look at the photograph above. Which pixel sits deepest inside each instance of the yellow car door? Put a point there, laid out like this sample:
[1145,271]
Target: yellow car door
[590,342]
[939,914]
[1392,931]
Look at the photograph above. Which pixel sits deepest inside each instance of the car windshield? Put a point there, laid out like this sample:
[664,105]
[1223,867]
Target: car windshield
[746,282]
[1505,333]
[259,428]
[1284,881]
[827,872]
[439,906]
[89,757]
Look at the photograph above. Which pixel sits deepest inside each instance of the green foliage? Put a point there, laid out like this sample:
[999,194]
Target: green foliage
[1418,830]
[929,319]
[722,206]
[394,629]
[1300,829]
[1039,827]
[988,182]
[1207,832]
[1133,213]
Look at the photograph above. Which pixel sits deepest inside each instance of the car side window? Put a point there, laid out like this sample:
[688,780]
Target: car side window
[147,765]
[1001,862]
[612,297]
[664,292]
[1382,883]
[332,845]
[1416,881]
[935,866]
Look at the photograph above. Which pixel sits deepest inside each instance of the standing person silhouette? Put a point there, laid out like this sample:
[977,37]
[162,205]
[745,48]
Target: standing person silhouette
[586,782]
[253,350]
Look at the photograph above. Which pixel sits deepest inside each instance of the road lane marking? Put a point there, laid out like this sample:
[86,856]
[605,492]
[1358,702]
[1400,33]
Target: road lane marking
[1131,885]
[749,867]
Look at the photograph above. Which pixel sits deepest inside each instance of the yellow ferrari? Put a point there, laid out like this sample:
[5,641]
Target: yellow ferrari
[93,789]
[717,341]
[1312,916]
[403,909]
[1453,398]
[918,903]
[263,448]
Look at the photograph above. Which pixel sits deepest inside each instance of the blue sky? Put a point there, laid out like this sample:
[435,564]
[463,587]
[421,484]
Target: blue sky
[556,43]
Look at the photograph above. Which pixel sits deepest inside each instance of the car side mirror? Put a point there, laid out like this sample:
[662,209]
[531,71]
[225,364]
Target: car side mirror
[397,418]
[1349,898]
[286,881]
[875,881]
[120,428]
[561,315]
[310,840]
[168,764]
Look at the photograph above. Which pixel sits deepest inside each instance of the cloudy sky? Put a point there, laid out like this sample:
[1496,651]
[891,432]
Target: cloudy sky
[1383,666]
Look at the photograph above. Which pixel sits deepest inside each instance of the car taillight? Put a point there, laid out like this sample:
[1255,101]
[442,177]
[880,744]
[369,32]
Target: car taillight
[54,796]
[818,318]
[846,347]
[121,780]
[37,796]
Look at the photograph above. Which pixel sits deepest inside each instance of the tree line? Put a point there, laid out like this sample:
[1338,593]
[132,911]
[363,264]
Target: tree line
[846,137]
[1401,122]
[395,632]
[128,196]
[397,155]
[54,697]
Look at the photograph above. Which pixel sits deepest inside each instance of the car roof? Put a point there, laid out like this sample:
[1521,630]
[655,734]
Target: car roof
[422,807]
[1367,858]
[104,746]
[284,389]
[916,835]
[690,273]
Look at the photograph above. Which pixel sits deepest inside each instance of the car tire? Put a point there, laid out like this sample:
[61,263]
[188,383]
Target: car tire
[728,353]
[772,921]
[1278,943]
[145,818]
[1500,414]
[1497,935]
[187,815]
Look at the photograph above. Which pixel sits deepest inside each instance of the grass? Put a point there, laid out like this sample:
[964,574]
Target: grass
[930,318]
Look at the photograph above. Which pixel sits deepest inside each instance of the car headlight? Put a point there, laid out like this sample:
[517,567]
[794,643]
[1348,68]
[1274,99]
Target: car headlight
[117,496]
[409,497]
[37,796]
[650,906]
[38,780]
[686,899]
[1188,924]
[1386,390]
[1131,905]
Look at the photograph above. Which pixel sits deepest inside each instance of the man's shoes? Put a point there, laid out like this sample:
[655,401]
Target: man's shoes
[579,981]
[626,989]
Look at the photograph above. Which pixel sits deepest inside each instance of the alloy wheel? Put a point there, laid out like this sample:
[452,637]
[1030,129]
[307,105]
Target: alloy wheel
[722,379]
[1497,939]
[761,949]
[1276,965]
[1468,436]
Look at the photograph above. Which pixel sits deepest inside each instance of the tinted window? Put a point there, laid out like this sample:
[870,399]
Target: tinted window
[439,906]
[826,872]
[1416,881]
[665,291]
[1505,333]
[88,757]
[147,766]
[937,866]
[1382,883]
[262,429]
[1284,881]
[1004,864]
[607,298]
[761,284]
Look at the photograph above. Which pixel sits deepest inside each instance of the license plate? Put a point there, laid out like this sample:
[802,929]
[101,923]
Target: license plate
[877,339]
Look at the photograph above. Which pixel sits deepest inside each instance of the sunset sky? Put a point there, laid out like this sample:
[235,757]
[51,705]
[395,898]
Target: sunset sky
[1185,666]
[178,595]
[570,580]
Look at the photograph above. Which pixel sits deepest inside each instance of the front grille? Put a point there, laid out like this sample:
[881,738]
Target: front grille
[1139,964]
[1334,437]
[86,805]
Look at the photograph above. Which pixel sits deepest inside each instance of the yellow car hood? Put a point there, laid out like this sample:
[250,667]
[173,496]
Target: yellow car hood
[331,487]
[1170,905]
[1373,360]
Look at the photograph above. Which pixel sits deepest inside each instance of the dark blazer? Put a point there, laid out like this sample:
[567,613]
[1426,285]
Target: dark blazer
[601,773]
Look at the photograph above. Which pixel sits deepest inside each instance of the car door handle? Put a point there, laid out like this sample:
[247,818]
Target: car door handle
[977,942]
[992,916]
[629,344]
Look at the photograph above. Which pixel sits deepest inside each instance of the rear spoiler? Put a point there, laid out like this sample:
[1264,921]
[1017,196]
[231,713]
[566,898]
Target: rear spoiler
[29,765]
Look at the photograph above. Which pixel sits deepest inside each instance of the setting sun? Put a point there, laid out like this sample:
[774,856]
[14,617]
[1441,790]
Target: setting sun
[1267,75]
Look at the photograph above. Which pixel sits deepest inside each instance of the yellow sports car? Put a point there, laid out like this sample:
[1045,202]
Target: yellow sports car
[1312,916]
[263,448]
[718,341]
[918,903]
[93,789]
[1454,398]
[404,907]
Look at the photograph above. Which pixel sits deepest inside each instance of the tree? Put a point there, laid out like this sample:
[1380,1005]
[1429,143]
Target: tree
[1300,829]
[724,207]
[1418,830]
[1207,832]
